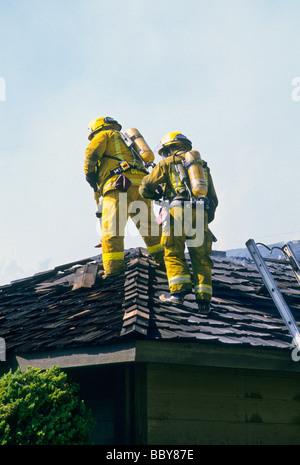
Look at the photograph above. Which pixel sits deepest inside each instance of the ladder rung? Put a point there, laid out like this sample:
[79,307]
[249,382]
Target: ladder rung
[274,260]
[290,291]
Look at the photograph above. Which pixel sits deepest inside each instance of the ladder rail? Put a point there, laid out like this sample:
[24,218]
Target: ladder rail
[274,292]
[291,257]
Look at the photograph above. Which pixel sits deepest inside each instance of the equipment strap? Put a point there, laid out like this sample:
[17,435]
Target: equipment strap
[110,156]
[129,143]
[183,176]
[126,165]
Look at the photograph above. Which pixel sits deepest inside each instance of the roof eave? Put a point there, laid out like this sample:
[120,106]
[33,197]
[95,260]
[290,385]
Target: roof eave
[166,352]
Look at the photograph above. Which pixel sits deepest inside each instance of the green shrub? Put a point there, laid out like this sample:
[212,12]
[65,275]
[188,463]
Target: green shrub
[41,408]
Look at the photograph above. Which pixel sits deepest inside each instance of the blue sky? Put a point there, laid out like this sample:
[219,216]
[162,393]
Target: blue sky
[219,71]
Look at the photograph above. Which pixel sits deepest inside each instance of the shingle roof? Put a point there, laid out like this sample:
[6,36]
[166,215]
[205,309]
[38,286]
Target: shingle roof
[51,311]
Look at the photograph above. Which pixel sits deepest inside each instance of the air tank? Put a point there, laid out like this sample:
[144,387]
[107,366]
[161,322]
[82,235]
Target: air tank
[196,173]
[140,145]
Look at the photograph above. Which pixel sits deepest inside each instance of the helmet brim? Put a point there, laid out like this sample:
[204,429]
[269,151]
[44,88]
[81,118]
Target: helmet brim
[116,126]
[175,139]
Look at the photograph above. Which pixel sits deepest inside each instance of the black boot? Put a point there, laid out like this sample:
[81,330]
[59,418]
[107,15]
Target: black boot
[204,306]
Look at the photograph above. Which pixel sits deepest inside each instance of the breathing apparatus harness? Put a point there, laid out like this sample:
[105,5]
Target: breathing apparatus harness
[124,165]
[122,183]
[130,142]
[179,197]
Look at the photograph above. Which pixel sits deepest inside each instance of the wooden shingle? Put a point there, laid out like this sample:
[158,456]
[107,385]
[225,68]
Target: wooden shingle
[73,306]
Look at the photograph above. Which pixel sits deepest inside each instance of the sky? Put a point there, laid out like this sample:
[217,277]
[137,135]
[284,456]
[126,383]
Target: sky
[224,73]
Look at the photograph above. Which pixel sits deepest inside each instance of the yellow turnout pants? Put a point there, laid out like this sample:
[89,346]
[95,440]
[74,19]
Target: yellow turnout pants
[178,272]
[117,208]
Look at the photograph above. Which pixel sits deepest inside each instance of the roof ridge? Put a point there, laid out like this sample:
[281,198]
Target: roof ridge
[136,298]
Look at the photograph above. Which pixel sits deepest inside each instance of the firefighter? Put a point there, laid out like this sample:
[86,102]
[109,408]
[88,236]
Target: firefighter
[111,169]
[177,190]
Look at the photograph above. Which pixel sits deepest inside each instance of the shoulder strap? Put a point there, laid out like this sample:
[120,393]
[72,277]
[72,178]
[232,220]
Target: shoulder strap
[137,158]
[183,176]
[121,159]
[110,156]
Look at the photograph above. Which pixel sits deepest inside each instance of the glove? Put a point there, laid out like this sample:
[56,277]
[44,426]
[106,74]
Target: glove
[205,200]
[158,193]
[92,180]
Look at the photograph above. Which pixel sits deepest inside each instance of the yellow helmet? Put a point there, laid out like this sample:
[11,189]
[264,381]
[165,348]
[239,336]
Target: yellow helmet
[105,122]
[174,140]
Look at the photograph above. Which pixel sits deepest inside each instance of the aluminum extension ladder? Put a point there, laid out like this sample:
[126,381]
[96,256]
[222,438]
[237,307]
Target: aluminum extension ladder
[275,293]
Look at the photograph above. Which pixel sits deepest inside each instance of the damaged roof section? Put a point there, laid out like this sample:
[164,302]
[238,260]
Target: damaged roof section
[74,306]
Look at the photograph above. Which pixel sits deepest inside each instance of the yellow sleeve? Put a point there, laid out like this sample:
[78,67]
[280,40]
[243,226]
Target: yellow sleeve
[151,182]
[94,152]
